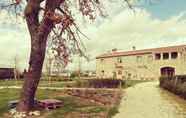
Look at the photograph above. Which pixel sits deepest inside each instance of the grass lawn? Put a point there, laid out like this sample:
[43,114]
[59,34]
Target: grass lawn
[10,82]
[45,83]
[41,84]
[74,107]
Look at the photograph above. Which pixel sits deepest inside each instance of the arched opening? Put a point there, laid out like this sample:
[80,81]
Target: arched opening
[167,71]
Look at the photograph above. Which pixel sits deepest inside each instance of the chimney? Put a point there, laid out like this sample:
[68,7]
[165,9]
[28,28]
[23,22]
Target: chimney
[133,48]
[114,50]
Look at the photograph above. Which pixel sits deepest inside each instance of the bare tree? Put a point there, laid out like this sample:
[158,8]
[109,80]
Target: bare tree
[16,68]
[48,66]
[51,19]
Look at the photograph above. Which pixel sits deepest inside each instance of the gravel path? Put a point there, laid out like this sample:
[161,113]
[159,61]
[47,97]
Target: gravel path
[147,100]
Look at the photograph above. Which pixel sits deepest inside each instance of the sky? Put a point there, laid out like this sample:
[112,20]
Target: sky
[163,9]
[155,23]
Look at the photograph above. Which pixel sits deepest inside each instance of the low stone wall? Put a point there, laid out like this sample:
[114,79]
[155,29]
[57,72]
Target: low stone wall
[175,84]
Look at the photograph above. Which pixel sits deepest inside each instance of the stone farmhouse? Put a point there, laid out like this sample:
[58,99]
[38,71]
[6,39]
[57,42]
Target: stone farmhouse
[146,64]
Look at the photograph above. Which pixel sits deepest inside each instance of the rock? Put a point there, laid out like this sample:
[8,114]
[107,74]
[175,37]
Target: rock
[34,113]
[19,115]
[12,111]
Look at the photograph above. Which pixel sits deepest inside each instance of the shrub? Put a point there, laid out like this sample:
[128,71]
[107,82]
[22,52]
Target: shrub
[105,83]
[100,83]
[175,84]
[74,74]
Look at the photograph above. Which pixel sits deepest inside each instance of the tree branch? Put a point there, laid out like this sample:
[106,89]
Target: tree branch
[32,15]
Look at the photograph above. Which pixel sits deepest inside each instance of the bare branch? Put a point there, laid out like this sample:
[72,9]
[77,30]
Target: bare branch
[14,6]
[66,35]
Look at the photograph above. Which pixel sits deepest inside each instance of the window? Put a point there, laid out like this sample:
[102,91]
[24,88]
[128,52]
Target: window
[174,55]
[119,72]
[101,60]
[157,56]
[184,57]
[119,60]
[102,73]
[150,58]
[139,58]
[114,74]
[165,55]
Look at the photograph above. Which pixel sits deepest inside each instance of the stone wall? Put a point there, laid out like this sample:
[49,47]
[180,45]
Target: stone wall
[175,84]
[140,66]
[129,69]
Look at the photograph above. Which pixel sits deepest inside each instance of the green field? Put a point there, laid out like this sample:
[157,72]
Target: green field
[72,105]
[63,83]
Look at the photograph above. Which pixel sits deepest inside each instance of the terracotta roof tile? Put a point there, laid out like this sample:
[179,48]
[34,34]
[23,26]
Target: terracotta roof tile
[144,51]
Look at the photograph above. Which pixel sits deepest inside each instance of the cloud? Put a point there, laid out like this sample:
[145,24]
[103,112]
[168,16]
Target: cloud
[13,45]
[14,41]
[122,29]
[138,29]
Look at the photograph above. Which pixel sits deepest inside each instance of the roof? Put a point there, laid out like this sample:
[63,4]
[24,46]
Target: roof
[141,52]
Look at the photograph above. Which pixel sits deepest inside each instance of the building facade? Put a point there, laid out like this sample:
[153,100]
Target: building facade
[147,64]
[6,73]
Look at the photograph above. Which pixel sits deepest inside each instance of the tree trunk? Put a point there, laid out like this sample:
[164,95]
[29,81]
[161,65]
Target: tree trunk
[39,32]
[33,75]
[37,55]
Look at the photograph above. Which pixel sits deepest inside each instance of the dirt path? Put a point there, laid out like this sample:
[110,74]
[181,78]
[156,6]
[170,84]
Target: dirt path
[147,100]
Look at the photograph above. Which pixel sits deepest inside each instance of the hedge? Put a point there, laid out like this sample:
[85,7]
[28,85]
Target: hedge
[175,84]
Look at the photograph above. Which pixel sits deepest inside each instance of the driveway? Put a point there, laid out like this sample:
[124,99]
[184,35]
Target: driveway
[147,100]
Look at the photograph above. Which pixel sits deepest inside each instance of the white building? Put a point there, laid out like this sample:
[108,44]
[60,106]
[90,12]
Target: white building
[142,64]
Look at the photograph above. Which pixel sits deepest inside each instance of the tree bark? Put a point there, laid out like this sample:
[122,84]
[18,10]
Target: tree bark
[37,55]
[32,76]
[39,32]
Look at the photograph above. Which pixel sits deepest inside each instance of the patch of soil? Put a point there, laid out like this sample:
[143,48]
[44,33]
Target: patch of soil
[102,97]
[85,115]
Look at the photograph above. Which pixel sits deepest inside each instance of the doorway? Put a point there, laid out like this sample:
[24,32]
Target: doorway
[167,71]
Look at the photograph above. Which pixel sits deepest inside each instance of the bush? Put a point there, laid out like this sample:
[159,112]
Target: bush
[74,74]
[100,83]
[175,84]
[81,83]
[105,83]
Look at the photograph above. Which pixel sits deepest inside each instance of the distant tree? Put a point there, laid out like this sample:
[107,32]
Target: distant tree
[50,19]
[16,70]
[48,66]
